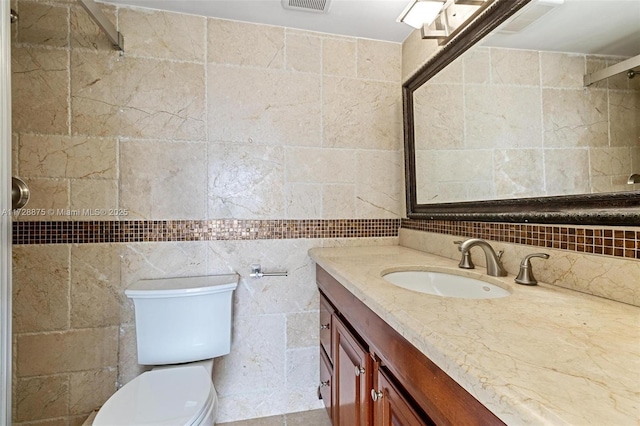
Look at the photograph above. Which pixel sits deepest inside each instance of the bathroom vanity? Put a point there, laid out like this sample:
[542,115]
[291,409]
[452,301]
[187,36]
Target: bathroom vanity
[542,355]
[371,375]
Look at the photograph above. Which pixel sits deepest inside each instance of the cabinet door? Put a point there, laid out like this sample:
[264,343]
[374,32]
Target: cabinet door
[352,379]
[390,407]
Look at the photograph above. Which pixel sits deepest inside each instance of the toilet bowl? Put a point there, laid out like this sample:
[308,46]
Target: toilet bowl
[180,396]
[181,325]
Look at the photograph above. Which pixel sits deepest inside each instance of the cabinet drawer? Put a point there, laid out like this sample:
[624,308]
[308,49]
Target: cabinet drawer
[326,385]
[326,314]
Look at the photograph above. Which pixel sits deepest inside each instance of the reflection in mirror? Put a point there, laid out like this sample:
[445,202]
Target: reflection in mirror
[503,131]
[503,123]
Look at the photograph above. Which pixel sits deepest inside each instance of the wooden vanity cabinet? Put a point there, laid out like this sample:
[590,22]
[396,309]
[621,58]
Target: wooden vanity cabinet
[352,379]
[377,377]
[390,406]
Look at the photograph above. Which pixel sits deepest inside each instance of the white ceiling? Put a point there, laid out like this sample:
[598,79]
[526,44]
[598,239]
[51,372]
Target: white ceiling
[605,27]
[373,19]
[585,26]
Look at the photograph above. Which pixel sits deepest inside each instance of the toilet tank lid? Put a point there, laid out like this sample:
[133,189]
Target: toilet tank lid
[184,286]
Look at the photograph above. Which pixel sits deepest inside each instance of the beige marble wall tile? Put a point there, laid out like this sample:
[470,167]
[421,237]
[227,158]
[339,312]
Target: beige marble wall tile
[68,156]
[163,179]
[597,63]
[239,43]
[303,330]
[312,165]
[96,293]
[88,390]
[464,165]
[482,190]
[379,184]
[39,90]
[451,74]
[562,70]
[95,199]
[303,376]
[635,158]
[502,117]
[40,288]
[355,242]
[128,367]
[241,377]
[338,201]
[42,397]
[274,296]
[339,57]
[426,177]
[43,24]
[566,171]
[301,364]
[609,162]
[303,201]
[245,183]
[347,103]
[126,96]
[415,52]
[379,60]
[263,106]
[58,421]
[85,33]
[477,65]
[49,200]
[439,116]
[519,173]
[574,118]
[163,34]
[303,51]
[624,112]
[73,350]
[519,67]
[15,149]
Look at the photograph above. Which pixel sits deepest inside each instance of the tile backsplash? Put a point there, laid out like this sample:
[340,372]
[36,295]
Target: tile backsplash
[173,160]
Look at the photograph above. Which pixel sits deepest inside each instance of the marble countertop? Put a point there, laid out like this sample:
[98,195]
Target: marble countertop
[543,355]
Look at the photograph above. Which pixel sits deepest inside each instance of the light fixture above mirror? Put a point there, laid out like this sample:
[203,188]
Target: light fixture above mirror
[419,13]
[442,20]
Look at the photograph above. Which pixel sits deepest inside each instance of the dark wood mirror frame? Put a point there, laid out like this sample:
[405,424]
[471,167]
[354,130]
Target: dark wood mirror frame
[621,208]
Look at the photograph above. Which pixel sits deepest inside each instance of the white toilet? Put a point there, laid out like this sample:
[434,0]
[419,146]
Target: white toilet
[183,321]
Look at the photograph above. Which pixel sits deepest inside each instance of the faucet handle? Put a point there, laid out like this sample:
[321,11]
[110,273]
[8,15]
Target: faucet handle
[499,254]
[525,276]
[459,243]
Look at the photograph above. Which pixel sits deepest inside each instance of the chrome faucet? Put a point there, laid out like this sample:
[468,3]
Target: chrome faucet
[494,266]
[525,276]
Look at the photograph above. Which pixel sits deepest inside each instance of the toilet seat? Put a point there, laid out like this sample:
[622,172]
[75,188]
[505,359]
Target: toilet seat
[174,396]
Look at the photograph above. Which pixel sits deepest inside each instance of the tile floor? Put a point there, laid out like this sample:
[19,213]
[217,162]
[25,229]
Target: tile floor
[305,418]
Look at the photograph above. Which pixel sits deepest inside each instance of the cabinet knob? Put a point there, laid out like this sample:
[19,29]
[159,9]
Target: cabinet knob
[324,326]
[324,384]
[376,395]
[359,370]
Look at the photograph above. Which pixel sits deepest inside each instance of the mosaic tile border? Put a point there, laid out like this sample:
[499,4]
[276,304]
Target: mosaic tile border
[605,241]
[82,232]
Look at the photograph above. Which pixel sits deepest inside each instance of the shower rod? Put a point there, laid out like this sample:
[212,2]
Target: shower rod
[94,11]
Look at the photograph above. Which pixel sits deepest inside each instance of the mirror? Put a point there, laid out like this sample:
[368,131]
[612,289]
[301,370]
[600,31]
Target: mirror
[498,134]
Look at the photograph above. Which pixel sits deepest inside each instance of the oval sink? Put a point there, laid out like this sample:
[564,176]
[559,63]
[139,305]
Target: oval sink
[446,285]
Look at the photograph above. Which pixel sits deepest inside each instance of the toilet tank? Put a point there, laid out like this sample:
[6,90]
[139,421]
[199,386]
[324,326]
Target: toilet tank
[183,319]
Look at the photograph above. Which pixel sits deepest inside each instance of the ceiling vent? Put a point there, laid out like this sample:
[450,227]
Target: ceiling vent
[318,6]
[528,15]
